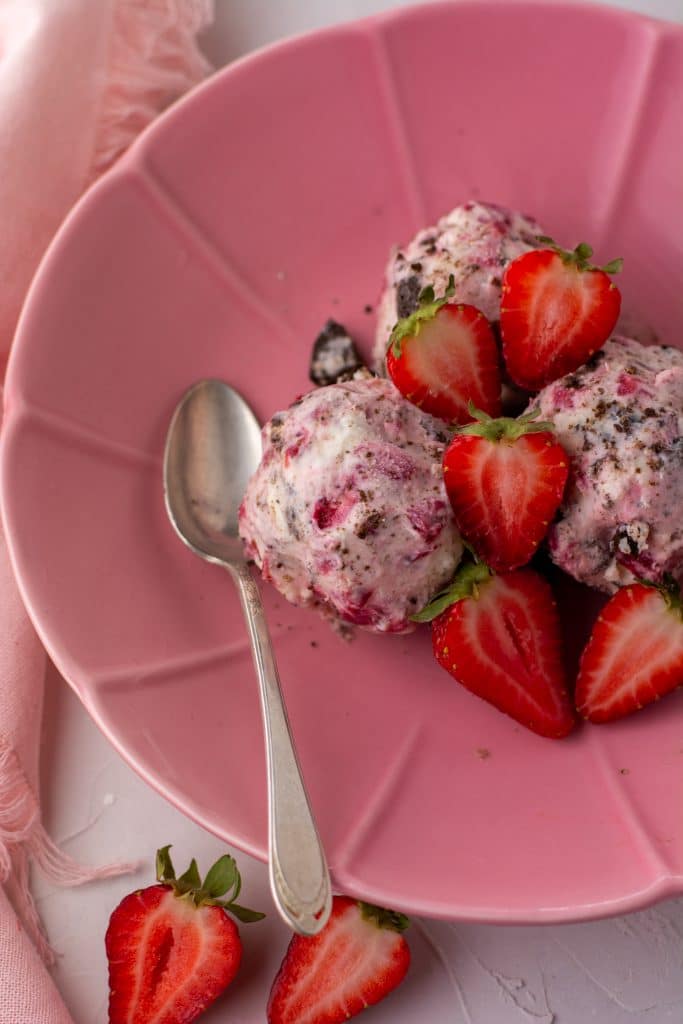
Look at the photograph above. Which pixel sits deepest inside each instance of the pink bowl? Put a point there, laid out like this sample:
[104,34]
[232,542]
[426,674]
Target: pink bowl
[264,203]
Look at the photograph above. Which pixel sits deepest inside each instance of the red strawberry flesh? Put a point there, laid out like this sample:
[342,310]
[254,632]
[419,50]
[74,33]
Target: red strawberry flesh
[351,964]
[634,655]
[171,948]
[505,487]
[555,313]
[168,959]
[450,361]
[503,643]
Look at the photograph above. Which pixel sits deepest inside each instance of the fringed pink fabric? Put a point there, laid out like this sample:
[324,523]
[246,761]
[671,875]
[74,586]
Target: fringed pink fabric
[153,59]
[27,993]
[78,80]
[22,840]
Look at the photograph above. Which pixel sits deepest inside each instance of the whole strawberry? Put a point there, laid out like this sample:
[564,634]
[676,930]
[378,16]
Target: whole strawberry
[356,960]
[443,356]
[557,309]
[499,636]
[172,949]
[505,479]
[635,653]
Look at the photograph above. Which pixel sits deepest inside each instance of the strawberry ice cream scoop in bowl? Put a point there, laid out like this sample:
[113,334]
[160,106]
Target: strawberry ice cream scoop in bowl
[474,243]
[620,419]
[348,511]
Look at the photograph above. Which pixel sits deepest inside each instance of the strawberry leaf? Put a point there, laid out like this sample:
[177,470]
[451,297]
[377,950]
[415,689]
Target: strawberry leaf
[436,606]
[580,256]
[221,877]
[243,914]
[191,879]
[429,306]
[164,865]
[614,267]
[504,428]
[465,584]
[478,414]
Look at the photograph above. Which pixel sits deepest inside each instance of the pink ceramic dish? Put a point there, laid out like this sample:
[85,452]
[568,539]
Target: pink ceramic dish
[263,204]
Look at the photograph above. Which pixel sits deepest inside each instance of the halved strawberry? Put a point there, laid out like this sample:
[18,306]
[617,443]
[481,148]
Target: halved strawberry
[500,637]
[356,960]
[557,309]
[172,949]
[443,356]
[635,652]
[505,479]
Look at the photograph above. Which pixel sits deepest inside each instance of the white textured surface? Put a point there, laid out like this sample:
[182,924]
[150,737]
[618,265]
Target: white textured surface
[614,972]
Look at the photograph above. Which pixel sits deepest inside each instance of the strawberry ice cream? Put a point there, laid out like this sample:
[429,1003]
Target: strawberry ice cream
[347,510]
[620,418]
[474,242]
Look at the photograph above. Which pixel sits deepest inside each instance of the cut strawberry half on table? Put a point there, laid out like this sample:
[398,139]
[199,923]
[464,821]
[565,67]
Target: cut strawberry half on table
[356,960]
[499,636]
[557,309]
[172,949]
[505,479]
[635,653]
[445,355]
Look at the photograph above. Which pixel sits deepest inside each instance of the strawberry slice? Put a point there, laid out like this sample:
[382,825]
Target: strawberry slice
[557,309]
[356,960]
[505,479]
[499,636]
[172,949]
[443,356]
[635,653]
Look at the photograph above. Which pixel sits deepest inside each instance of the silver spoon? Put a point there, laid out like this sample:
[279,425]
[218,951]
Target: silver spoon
[212,448]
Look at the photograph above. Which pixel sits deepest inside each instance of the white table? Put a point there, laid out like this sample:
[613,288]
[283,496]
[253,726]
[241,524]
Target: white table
[615,972]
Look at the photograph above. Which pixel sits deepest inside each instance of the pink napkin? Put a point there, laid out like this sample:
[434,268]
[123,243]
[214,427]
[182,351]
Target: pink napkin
[78,80]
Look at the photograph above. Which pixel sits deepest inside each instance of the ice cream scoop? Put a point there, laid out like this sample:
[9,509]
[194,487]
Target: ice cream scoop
[348,511]
[620,419]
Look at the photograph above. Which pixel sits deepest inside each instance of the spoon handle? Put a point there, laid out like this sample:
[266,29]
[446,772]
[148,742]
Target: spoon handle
[299,878]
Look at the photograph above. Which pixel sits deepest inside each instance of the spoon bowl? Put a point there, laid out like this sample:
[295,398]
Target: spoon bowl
[212,448]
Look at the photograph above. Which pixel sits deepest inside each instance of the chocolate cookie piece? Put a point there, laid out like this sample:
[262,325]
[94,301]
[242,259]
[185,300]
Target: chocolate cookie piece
[335,357]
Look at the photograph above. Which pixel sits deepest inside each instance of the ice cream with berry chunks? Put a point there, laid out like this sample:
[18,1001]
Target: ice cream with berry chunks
[474,243]
[347,510]
[620,419]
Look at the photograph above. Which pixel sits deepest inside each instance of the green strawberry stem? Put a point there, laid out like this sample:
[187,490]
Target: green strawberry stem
[504,428]
[429,306]
[466,583]
[221,886]
[390,919]
[670,591]
[580,256]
